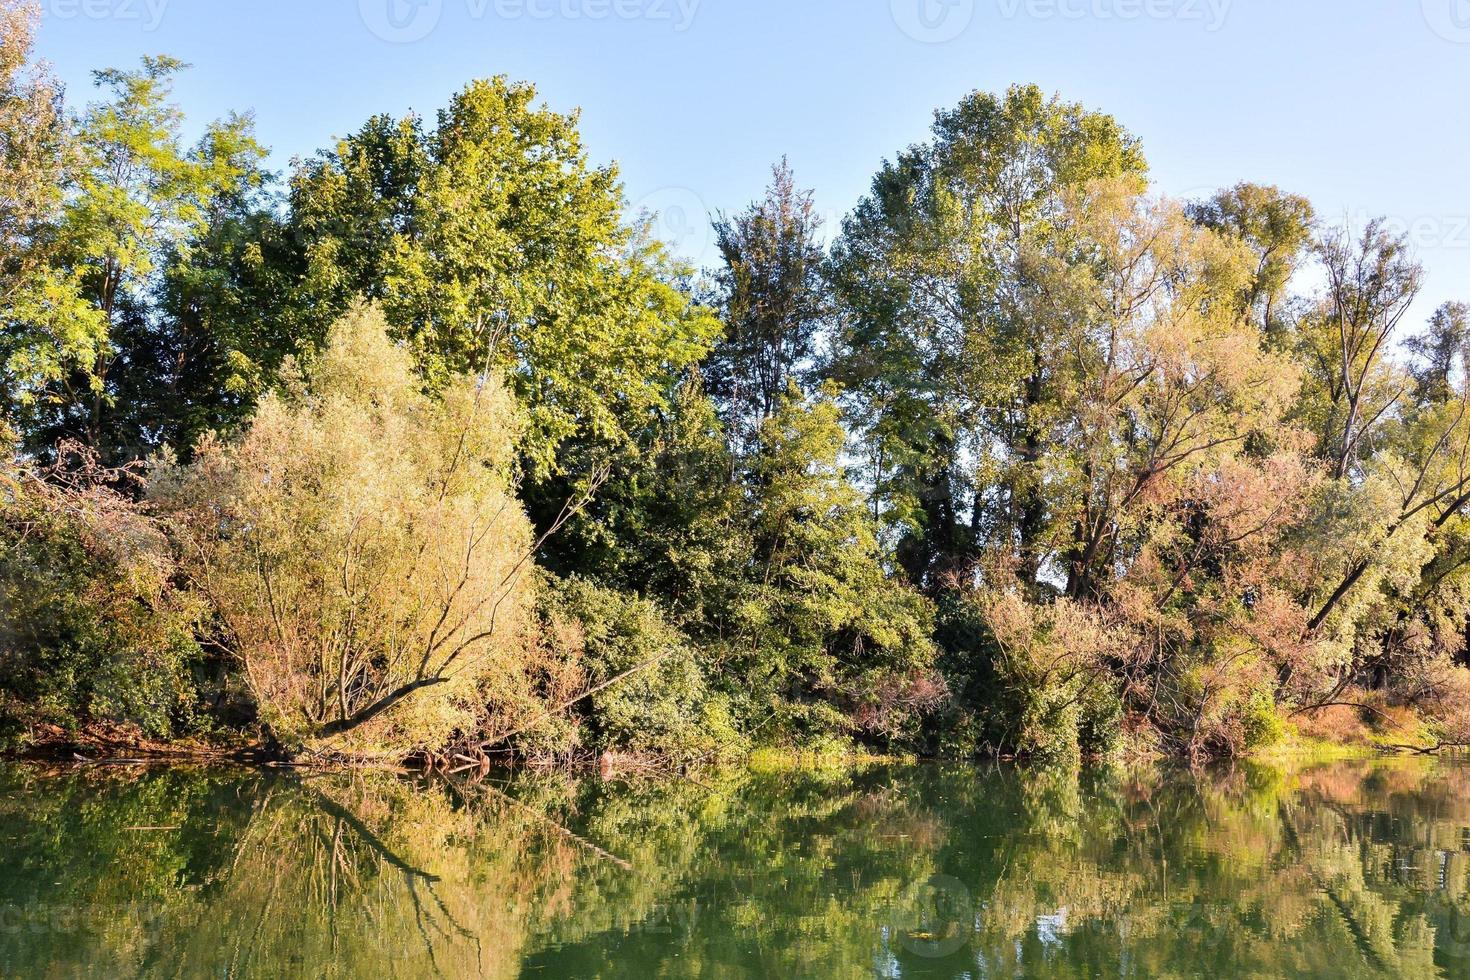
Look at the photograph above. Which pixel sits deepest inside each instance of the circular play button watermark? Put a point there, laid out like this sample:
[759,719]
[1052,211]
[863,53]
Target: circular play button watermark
[1450,19]
[679,218]
[401,21]
[933,21]
[935,918]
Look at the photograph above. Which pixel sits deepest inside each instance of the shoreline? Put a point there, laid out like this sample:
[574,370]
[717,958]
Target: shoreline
[81,752]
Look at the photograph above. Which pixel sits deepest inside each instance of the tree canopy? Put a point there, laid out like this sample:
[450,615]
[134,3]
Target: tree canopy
[430,444]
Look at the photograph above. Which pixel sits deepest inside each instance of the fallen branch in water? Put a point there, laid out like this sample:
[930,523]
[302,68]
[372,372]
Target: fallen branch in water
[550,713]
[1427,750]
[570,835]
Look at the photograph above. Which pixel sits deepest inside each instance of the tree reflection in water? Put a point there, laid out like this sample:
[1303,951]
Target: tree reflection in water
[1355,870]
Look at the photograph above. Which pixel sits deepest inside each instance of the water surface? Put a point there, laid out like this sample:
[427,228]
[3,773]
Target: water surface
[1355,870]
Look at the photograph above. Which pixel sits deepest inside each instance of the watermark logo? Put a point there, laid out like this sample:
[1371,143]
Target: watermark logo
[401,21]
[1423,232]
[41,919]
[1451,921]
[934,918]
[1211,14]
[678,217]
[1450,19]
[407,21]
[147,14]
[933,21]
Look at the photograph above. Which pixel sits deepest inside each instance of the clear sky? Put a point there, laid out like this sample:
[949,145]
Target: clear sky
[1359,104]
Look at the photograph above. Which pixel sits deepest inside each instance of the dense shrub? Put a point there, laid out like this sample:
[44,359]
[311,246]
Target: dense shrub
[92,626]
[364,553]
[1038,674]
[663,704]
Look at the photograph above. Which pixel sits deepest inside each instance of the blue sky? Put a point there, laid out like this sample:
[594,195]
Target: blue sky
[1359,104]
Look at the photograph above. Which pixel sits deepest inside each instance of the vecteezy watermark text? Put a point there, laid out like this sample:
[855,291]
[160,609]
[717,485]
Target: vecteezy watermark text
[938,21]
[1212,14]
[406,21]
[146,13]
[1423,232]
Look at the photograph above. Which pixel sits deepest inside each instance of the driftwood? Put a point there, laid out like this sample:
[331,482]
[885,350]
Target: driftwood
[1428,750]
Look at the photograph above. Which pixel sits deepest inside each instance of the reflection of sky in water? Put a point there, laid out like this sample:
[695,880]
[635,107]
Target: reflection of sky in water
[1050,929]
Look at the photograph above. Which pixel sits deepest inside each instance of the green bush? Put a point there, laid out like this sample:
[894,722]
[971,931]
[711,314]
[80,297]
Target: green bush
[1261,722]
[1027,678]
[92,629]
[664,706]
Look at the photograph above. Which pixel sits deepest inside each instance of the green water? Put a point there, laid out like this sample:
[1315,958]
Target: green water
[1358,870]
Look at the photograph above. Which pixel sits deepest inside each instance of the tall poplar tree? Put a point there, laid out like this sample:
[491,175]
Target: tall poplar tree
[773,300]
[947,378]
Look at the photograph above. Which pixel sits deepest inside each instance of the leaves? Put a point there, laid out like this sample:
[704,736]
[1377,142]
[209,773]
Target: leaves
[363,549]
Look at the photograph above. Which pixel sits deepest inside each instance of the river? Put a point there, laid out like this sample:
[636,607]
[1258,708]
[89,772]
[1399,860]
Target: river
[1344,870]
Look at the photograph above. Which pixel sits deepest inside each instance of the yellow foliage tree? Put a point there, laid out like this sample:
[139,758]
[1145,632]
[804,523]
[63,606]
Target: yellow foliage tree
[365,553]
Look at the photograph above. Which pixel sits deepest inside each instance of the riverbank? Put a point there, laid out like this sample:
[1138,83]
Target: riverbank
[1336,738]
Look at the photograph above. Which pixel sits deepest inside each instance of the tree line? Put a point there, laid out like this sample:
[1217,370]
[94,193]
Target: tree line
[426,444]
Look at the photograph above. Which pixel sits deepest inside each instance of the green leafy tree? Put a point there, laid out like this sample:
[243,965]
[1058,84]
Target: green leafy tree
[773,300]
[349,204]
[493,240]
[1353,385]
[139,199]
[674,524]
[825,639]
[225,321]
[47,328]
[1277,228]
[1441,353]
[1154,378]
[946,378]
